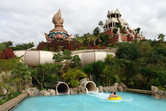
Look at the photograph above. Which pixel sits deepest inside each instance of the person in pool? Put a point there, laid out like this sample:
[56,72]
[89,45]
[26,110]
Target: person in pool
[113,95]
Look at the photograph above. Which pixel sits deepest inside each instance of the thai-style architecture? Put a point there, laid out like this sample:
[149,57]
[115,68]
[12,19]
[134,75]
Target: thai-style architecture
[58,32]
[119,30]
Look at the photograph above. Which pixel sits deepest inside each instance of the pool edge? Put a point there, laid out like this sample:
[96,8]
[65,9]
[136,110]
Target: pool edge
[139,91]
[13,102]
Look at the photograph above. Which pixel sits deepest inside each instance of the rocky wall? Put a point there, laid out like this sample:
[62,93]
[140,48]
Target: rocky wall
[115,87]
[33,91]
[157,93]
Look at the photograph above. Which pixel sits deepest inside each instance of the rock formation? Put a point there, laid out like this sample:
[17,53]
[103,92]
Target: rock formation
[157,93]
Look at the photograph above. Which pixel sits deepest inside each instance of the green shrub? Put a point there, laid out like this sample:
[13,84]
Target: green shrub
[15,94]
[161,88]
[72,77]
[94,70]
[129,51]
[23,46]
[67,54]
[109,58]
[145,49]
[21,75]
[115,30]
[138,81]
[161,50]
[58,57]
[8,64]
[2,47]
[76,61]
[45,75]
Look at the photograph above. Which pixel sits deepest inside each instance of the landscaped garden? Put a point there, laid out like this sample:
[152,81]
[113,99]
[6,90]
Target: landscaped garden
[4,99]
[96,40]
[72,63]
[138,65]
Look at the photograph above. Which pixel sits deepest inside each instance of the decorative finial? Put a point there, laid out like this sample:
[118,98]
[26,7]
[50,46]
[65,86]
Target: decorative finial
[57,20]
[58,32]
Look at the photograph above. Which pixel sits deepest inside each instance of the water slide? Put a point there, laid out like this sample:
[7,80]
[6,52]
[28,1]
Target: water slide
[62,88]
[34,57]
[90,86]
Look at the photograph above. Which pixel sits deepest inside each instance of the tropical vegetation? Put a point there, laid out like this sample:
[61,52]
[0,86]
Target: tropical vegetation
[45,75]
[22,46]
[72,77]
[96,40]
[137,64]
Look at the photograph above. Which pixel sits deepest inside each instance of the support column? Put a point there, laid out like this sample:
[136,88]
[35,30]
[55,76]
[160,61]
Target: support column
[119,35]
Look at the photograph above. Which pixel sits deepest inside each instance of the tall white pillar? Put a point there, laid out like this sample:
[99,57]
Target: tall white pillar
[119,35]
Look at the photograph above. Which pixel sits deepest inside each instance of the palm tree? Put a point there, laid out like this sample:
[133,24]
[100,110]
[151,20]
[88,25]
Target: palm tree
[90,37]
[76,36]
[161,37]
[79,39]
[138,30]
[87,38]
[96,31]
[101,24]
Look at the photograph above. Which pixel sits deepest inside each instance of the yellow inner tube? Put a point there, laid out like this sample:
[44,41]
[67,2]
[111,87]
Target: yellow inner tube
[118,98]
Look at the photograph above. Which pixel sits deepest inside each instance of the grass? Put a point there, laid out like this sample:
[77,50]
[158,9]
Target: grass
[3,100]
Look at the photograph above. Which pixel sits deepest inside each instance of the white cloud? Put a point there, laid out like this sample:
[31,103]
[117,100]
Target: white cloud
[26,21]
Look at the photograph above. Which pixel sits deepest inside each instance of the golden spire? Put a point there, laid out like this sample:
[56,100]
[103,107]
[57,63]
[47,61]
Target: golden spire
[57,20]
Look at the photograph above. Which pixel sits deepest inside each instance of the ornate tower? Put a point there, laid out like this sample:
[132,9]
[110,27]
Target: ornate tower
[114,20]
[58,32]
[118,29]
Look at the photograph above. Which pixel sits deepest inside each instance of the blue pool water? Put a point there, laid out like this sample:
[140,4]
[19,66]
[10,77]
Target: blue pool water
[93,102]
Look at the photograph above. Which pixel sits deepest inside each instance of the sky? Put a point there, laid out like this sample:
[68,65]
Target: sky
[24,21]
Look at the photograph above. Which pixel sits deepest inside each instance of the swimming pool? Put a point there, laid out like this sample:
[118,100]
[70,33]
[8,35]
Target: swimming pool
[93,102]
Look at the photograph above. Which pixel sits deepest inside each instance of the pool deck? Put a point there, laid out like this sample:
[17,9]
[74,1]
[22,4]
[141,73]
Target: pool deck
[139,91]
[12,103]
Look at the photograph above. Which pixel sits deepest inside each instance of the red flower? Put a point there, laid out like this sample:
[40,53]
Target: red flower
[89,47]
[41,46]
[95,47]
[79,45]
[70,47]
[7,54]
[103,47]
